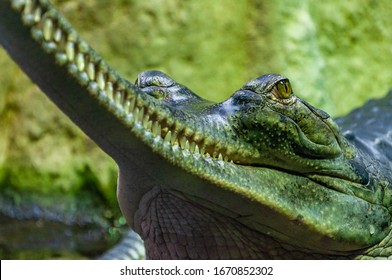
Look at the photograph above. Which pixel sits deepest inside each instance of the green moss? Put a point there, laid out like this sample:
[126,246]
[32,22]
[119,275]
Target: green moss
[336,54]
[40,254]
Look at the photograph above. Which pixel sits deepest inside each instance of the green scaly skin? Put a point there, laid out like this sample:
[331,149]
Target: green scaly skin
[260,175]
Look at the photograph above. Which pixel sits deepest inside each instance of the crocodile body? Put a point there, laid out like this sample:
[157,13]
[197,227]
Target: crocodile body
[261,175]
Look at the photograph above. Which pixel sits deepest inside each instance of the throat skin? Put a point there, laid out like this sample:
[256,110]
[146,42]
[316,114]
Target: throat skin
[176,228]
[154,169]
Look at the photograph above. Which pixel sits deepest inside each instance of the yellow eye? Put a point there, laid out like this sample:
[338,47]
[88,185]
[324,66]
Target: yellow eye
[282,89]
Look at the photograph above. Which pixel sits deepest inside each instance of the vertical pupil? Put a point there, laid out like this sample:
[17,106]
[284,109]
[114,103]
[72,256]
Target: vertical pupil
[284,89]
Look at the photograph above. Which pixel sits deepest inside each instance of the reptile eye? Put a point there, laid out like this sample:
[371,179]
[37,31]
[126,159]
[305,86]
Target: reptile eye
[282,89]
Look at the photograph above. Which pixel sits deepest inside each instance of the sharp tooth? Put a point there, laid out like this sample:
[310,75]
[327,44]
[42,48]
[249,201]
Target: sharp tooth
[192,147]
[225,158]
[57,35]
[117,98]
[136,114]
[48,29]
[141,115]
[28,7]
[109,90]
[126,107]
[220,157]
[101,80]
[70,51]
[132,102]
[168,137]
[182,142]
[156,129]
[80,61]
[149,125]
[197,151]
[37,14]
[174,138]
[91,71]
[145,121]
[187,146]
[159,130]
[203,150]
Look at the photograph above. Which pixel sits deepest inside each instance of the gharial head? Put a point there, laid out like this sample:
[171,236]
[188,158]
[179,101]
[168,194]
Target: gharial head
[267,118]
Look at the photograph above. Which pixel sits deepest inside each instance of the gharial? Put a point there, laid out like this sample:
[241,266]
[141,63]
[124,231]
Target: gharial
[261,175]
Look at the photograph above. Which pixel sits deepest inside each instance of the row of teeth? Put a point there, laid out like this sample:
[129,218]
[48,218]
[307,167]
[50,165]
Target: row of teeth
[70,50]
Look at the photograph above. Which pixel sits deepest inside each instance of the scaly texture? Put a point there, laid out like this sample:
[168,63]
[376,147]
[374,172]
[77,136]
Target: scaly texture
[263,159]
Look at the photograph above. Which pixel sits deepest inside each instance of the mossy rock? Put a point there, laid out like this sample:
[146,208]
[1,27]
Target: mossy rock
[334,52]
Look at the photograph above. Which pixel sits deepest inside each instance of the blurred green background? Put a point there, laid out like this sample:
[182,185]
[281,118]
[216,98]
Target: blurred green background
[57,189]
